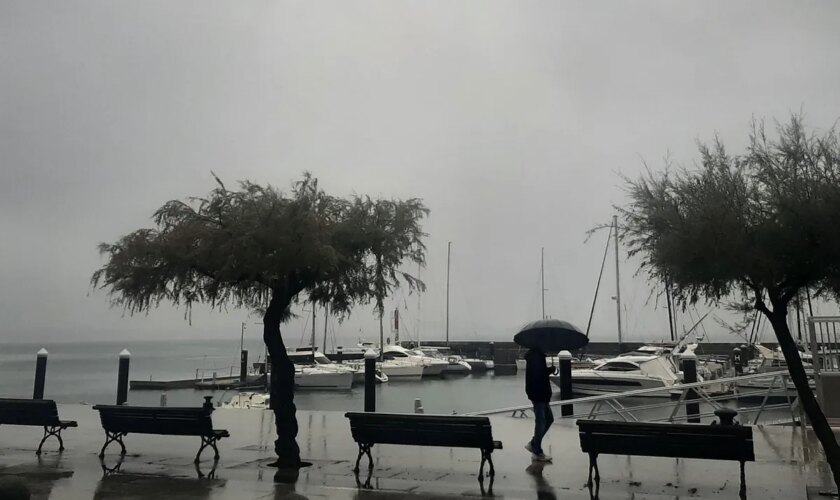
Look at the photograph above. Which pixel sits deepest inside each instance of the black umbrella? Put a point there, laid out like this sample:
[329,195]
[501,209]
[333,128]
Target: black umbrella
[551,335]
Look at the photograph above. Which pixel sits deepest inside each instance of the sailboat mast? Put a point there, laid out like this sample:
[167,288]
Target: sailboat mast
[617,285]
[326,320]
[419,293]
[313,331]
[448,259]
[671,322]
[542,279]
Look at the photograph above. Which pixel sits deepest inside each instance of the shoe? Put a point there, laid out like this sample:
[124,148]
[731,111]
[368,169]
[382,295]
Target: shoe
[542,457]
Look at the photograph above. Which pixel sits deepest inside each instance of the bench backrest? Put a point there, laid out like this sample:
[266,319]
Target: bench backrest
[426,430]
[156,420]
[28,412]
[718,442]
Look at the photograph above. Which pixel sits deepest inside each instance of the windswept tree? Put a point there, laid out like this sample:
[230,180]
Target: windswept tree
[749,230]
[261,249]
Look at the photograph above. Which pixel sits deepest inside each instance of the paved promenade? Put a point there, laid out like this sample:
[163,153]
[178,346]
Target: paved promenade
[161,467]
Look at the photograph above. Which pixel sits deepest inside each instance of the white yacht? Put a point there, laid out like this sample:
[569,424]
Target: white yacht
[624,373]
[396,364]
[453,363]
[770,361]
[318,378]
[249,400]
[317,359]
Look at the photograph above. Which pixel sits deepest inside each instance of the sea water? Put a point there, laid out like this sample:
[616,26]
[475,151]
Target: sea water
[86,372]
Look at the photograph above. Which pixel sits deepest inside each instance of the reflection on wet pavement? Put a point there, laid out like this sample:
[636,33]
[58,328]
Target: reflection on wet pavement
[161,467]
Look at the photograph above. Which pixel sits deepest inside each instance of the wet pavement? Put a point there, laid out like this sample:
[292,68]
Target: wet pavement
[161,467]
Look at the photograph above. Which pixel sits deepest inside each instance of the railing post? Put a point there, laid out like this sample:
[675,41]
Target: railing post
[692,409]
[339,354]
[816,361]
[370,380]
[243,365]
[564,359]
[122,377]
[40,374]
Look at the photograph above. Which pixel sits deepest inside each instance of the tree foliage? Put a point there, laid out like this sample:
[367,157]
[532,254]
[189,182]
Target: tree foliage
[751,225]
[757,227]
[237,247]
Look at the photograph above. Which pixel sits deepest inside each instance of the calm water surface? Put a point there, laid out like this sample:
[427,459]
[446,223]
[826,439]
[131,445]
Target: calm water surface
[86,372]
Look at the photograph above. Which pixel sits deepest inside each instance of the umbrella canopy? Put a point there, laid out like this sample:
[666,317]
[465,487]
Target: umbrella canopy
[551,335]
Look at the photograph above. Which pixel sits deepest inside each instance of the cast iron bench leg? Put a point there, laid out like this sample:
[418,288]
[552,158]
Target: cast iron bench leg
[111,437]
[593,464]
[486,457]
[205,442]
[51,430]
[364,449]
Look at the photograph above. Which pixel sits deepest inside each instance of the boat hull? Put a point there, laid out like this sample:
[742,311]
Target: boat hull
[433,369]
[595,385]
[324,380]
[402,372]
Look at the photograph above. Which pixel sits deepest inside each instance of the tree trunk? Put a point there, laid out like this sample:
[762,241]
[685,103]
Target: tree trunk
[806,395]
[282,384]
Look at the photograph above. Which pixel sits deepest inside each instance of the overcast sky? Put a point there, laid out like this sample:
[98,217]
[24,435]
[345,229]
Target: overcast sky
[512,120]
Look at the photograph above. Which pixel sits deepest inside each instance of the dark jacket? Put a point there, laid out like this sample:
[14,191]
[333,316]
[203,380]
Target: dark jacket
[537,385]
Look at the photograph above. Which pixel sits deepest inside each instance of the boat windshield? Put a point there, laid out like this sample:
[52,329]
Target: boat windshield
[618,366]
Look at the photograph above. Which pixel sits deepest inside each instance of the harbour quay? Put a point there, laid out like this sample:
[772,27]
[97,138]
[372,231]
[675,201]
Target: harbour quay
[787,460]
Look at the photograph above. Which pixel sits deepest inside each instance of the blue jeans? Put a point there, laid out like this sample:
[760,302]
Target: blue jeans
[543,418]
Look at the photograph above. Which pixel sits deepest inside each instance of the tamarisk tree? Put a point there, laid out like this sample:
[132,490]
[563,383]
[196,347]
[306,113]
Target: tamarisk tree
[261,249]
[749,230]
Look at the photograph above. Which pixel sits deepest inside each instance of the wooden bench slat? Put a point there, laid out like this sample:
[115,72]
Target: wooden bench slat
[36,412]
[451,431]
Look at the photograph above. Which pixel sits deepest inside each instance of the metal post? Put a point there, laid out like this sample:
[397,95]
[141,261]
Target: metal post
[339,356]
[370,380]
[564,359]
[737,361]
[122,377]
[243,365]
[163,398]
[418,406]
[40,374]
[689,365]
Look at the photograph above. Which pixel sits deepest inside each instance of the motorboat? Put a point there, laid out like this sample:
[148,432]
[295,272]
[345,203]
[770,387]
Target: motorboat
[454,363]
[770,362]
[432,367]
[480,365]
[316,359]
[249,400]
[319,378]
[624,373]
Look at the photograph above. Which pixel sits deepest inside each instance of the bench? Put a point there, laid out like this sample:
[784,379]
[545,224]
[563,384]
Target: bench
[453,431]
[37,412]
[119,420]
[711,442]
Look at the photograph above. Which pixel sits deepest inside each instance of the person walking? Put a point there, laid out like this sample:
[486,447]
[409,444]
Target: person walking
[538,389]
